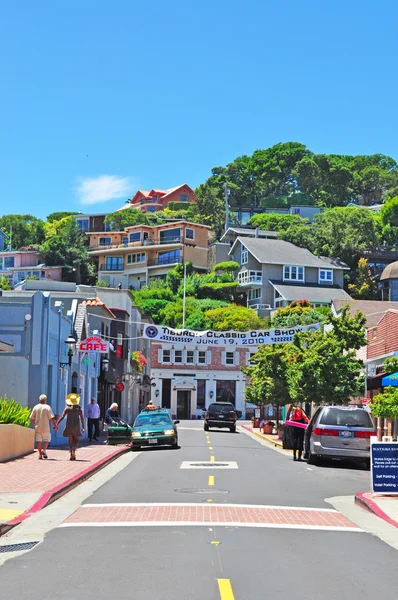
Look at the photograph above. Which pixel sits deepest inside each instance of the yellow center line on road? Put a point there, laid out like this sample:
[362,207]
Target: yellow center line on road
[212,458]
[225,589]
[211,479]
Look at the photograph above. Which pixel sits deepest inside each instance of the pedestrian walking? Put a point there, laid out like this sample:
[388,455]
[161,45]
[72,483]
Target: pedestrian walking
[74,418]
[41,417]
[299,418]
[93,417]
[111,414]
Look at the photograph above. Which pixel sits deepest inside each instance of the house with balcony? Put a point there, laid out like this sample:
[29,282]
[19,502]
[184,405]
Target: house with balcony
[275,273]
[17,265]
[132,257]
[92,222]
[159,199]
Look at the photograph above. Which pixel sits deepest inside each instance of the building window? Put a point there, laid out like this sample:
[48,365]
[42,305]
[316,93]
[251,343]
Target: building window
[166,393]
[151,209]
[202,357]
[201,393]
[166,356]
[114,263]
[8,262]
[184,198]
[190,357]
[226,391]
[189,233]
[135,237]
[254,294]
[105,241]
[136,258]
[325,275]
[125,240]
[169,236]
[178,356]
[230,358]
[83,225]
[244,256]
[168,257]
[293,273]
[250,277]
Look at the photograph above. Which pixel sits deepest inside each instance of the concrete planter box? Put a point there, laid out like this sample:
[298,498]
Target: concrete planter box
[15,441]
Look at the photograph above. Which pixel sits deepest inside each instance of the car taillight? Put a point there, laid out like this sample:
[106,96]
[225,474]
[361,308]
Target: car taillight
[207,415]
[363,434]
[330,432]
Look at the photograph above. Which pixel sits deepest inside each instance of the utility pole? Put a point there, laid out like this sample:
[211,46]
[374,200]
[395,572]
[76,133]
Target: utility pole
[184,295]
[226,194]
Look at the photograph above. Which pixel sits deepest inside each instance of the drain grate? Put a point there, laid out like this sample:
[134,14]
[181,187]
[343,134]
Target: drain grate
[18,547]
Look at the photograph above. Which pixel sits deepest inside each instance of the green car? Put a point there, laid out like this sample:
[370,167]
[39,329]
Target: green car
[119,432]
[154,428]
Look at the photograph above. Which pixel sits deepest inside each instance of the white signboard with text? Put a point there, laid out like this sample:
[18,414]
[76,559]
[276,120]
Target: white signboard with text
[224,338]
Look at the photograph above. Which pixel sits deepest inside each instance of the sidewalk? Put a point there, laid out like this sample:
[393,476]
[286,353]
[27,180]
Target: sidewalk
[271,439]
[28,484]
[384,507]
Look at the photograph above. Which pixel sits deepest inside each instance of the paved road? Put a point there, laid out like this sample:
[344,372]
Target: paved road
[156,530]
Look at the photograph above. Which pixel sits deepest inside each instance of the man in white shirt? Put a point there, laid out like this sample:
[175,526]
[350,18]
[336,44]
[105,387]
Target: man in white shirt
[41,416]
[93,417]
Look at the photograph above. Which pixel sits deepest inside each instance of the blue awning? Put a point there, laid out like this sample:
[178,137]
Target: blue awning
[390,380]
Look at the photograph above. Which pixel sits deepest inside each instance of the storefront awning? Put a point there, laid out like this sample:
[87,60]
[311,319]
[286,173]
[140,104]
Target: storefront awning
[390,380]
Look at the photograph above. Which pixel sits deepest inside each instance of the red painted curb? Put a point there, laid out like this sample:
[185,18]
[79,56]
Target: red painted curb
[248,428]
[61,489]
[372,507]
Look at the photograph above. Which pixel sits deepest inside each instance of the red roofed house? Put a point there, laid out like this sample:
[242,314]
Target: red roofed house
[159,199]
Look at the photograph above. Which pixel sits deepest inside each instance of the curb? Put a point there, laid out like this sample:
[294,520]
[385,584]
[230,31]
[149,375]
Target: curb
[364,502]
[275,443]
[60,490]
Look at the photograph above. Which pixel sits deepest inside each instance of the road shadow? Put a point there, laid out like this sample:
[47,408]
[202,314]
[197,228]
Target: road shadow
[340,463]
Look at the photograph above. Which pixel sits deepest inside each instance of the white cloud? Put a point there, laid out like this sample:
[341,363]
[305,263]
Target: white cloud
[94,190]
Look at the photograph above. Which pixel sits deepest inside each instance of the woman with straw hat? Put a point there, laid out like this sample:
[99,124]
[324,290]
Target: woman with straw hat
[74,418]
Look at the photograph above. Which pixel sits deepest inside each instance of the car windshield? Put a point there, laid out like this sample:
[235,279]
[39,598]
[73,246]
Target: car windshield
[222,408]
[162,420]
[348,418]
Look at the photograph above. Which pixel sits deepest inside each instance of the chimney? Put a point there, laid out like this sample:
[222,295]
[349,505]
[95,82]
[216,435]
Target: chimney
[256,233]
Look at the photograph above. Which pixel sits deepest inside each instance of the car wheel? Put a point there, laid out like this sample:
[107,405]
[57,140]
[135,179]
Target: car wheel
[311,460]
[233,429]
[135,448]
[206,427]
[175,446]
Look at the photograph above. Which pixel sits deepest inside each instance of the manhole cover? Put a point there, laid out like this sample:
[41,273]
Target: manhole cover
[197,464]
[18,547]
[201,491]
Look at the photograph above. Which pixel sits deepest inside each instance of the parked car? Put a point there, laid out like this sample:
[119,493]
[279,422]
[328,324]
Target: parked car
[154,428]
[339,432]
[220,414]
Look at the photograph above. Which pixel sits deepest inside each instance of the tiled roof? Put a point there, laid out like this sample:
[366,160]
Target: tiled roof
[372,309]
[314,293]
[279,252]
[97,302]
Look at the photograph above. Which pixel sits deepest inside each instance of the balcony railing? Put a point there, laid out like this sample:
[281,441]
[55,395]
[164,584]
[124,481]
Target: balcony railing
[386,252]
[107,267]
[147,242]
[251,279]
[161,262]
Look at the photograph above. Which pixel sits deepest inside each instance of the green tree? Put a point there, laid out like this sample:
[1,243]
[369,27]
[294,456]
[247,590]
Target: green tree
[385,405]
[26,230]
[390,365]
[364,286]
[4,283]
[236,318]
[57,216]
[299,313]
[229,266]
[389,221]
[211,207]
[276,221]
[117,221]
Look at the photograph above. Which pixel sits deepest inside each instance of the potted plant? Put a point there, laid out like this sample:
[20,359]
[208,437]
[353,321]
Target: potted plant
[138,361]
[268,427]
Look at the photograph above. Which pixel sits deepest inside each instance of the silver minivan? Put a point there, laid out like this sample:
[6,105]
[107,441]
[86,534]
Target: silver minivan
[339,432]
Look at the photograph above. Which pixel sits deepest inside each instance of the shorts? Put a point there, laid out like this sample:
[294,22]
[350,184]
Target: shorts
[43,437]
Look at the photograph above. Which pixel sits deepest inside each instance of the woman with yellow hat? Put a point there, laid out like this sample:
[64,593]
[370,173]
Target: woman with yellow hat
[74,417]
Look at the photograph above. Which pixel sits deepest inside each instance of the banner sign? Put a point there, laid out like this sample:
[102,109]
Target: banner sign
[224,338]
[94,344]
[384,467]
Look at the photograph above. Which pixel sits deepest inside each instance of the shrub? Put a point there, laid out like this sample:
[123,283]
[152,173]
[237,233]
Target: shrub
[102,283]
[386,404]
[13,413]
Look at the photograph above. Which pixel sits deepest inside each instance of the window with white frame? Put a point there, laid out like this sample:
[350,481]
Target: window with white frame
[249,277]
[325,276]
[178,356]
[244,256]
[189,233]
[230,358]
[292,273]
[254,294]
[190,357]
[202,357]
[166,357]
[136,258]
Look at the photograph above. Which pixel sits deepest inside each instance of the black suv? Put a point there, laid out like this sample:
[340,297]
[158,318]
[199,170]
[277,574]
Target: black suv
[221,414]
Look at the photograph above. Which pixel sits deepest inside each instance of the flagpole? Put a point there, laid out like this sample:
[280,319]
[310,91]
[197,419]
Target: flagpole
[184,295]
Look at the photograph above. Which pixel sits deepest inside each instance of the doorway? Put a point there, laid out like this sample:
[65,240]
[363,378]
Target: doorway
[183,404]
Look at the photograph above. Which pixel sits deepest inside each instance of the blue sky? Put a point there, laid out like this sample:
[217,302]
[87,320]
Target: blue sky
[100,98]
